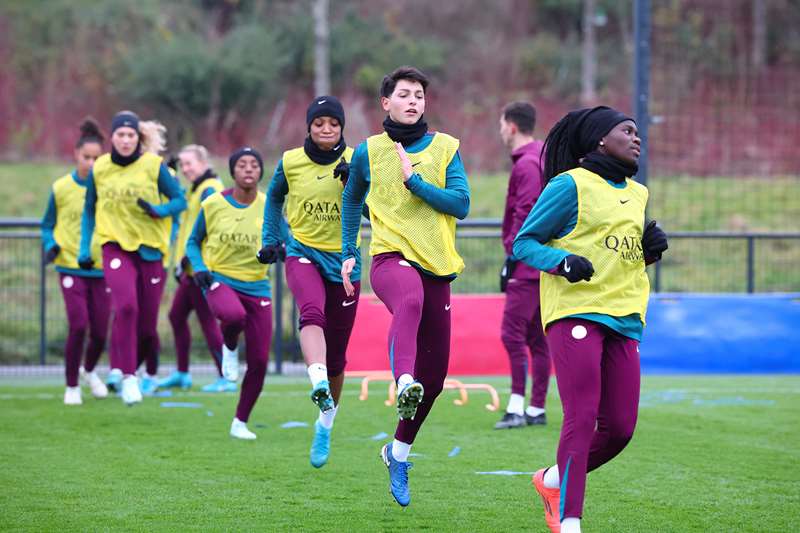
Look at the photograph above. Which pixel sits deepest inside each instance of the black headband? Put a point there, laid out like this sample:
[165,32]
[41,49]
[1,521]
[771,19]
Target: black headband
[587,126]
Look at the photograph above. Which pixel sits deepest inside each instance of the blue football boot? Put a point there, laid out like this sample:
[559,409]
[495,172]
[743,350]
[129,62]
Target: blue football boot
[398,475]
[221,385]
[114,380]
[321,396]
[409,399]
[176,380]
[321,445]
[148,385]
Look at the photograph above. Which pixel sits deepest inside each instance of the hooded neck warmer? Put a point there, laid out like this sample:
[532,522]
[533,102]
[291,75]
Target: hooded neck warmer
[207,175]
[125,160]
[405,134]
[609,167]
[324,157]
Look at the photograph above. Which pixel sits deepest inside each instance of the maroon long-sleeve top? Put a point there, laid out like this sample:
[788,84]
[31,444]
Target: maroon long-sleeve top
[524,187]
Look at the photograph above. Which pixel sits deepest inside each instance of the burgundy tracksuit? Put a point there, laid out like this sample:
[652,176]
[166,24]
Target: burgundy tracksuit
[323,303]
[521,329]
[136,288]
[88,309]
[419,336]
[189,297]
[598,381]
[252,315]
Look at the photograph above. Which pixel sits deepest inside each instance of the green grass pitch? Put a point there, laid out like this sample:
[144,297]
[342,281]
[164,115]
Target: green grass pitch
[710,453]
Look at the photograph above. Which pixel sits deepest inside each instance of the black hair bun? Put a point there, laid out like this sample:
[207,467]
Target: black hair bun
[90,129]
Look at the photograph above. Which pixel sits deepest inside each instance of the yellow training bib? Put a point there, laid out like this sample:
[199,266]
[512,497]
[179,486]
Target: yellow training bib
[233,238]
[117,217]
[403,222]
[314,202]
[69,197]
[609,234]
[188,217]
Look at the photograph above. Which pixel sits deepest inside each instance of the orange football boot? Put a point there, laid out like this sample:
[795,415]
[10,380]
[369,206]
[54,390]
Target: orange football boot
[551,498]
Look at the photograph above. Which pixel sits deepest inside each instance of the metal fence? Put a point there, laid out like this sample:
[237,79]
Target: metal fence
[33,323]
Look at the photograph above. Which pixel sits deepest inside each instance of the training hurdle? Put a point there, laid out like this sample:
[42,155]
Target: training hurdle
[449,384]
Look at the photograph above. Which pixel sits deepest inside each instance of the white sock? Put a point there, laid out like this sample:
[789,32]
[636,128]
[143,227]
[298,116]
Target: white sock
[400,450]
[571,525]
[404,380]
[515,404]
[326,418]
[551,479]
[533,411]
[317,372]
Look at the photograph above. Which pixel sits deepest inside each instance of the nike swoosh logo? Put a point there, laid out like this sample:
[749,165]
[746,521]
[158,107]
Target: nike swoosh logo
[348,304]
[415,164]
[320,177]
[239,219]
[624,201]
[264,303]
[320,102]
[566,266]
[447,307]
[155,281]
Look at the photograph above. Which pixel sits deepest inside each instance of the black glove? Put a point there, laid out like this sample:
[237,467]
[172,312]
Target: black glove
[507,272]
[180,268]
[203,279]
[269,254]
[654,241]
[342,171]
[86,264]
[51,254]
[576,268]
[147,208]
[172,162]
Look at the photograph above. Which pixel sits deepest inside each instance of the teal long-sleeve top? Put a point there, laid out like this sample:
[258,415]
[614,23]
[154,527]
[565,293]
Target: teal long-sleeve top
[167,185]
[553,216]
[329,263]
[452,200]
[48,240]
[259,289]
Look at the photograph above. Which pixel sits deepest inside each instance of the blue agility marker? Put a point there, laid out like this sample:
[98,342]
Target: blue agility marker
[187,405]
[293,424]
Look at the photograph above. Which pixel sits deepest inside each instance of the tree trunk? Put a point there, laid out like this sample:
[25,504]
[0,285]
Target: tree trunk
[589,55]
[322,74]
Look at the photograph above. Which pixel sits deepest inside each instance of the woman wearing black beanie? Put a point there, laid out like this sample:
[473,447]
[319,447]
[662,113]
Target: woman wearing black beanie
[587,234]
[124,212]
[309,180]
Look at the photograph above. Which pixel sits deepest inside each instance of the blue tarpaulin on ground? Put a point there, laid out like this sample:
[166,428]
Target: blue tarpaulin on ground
[736,333]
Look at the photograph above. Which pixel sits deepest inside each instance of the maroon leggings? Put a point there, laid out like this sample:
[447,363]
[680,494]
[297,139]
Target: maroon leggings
[597,372]
[419,335]
[323,303]
[237,313]
[189,297]
[88,309]
[521,333]
[136,288]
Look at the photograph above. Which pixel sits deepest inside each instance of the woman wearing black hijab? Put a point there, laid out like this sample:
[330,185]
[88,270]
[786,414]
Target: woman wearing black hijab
[587,234]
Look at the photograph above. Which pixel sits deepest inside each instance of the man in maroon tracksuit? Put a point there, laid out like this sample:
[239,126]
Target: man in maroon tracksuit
[522,322]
